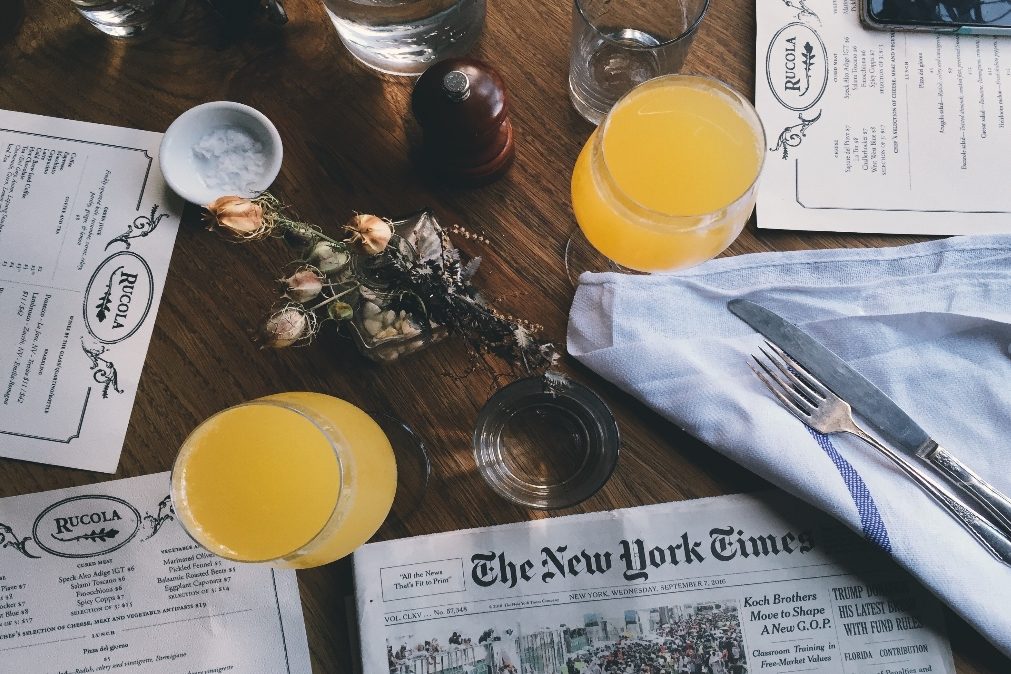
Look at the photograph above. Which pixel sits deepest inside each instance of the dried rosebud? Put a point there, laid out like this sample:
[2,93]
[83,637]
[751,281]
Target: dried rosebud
[340,311]
[236,217]
[303,285]
[369,233]
[327,258]
[284,328]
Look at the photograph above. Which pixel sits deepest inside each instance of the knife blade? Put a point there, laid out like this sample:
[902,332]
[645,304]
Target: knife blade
[879,411]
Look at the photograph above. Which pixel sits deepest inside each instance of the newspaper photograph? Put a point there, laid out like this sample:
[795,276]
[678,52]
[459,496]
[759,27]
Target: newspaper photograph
[728,585]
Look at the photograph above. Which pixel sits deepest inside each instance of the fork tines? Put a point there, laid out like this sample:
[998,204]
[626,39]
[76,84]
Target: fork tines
[787,379]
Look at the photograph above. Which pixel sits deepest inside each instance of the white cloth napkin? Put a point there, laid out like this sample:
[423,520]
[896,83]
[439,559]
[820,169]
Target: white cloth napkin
[929,324]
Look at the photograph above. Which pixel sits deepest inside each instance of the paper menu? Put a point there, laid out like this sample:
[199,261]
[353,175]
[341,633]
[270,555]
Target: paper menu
[887,132]
[102,578]
[87,226]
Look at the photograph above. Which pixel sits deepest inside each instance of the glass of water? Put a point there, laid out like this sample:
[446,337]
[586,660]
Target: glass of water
[617,44]
[404,37]
[129,18]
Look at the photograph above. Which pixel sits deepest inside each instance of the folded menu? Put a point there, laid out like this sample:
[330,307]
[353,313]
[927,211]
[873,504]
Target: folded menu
[102,578]
[873,131]
[87,227]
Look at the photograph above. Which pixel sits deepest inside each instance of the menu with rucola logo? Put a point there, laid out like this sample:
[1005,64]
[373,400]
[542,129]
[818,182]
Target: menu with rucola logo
[103,579]
[874,131]
[87,226]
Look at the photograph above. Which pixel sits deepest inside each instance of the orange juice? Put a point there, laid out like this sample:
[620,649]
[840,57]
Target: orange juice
[668,179]
[295,479]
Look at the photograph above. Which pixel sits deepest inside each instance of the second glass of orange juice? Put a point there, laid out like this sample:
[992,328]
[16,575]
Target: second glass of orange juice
[295,480]
[668,180]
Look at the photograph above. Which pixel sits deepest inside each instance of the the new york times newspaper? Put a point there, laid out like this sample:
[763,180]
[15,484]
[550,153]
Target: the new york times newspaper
[730,585]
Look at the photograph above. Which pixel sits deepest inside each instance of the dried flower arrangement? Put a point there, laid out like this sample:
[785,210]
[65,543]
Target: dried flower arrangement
[397,285]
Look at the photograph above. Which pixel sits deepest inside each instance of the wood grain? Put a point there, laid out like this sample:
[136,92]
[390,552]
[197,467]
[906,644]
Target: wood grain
[348,141]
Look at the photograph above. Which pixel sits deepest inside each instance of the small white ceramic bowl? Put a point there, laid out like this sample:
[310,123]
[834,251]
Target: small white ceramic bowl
[180,166]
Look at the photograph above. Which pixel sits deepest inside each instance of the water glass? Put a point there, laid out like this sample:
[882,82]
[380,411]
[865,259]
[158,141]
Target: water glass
[404,37]
[129,18]
[546,442]
[617,44]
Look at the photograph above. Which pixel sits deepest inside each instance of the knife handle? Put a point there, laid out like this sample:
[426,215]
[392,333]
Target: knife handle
[993,540]
[997,505]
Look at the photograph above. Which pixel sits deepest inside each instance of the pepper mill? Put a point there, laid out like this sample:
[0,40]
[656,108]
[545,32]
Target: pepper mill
[462,108]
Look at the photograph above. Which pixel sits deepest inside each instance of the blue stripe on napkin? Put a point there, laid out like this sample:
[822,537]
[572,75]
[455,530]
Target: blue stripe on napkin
[870,518]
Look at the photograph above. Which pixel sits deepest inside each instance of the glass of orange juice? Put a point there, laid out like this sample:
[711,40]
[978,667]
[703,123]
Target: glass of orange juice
[668,180]
[295,480]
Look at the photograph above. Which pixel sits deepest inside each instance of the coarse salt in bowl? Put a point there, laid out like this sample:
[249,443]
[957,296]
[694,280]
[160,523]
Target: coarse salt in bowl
[220,148]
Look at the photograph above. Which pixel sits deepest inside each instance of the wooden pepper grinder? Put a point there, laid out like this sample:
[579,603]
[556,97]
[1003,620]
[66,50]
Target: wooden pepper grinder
[463,110]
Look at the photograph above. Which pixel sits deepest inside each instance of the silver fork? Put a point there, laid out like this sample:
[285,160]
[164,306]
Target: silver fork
[821,409]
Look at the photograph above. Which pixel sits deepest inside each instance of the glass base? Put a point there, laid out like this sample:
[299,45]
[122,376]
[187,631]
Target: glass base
[616,60]
[413,471]
[581,256]
[408,48]
[586,110]
[125,21]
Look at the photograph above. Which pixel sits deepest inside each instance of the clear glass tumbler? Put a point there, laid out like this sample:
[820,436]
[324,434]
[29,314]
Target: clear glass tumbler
[617,44]
[546,442]
[129,18]
[404,37]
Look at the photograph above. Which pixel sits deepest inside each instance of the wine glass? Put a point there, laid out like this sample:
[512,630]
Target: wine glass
[295,480]
[668,180]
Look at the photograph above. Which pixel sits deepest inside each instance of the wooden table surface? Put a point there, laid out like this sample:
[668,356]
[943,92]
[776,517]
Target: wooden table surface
[347,137]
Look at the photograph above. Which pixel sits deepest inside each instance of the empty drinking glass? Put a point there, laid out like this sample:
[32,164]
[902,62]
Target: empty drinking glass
[617,44]
[546,442]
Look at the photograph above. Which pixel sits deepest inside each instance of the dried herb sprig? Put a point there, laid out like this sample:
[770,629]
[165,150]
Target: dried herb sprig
[423,286]
[444,288]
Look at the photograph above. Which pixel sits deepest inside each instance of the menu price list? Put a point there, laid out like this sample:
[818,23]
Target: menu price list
[880,131]
[87,226]
[93,581]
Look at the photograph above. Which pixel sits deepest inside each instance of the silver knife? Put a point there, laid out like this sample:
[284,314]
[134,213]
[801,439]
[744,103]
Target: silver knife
[876,408]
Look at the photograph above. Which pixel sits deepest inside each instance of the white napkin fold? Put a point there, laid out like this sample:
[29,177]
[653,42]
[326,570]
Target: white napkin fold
[929,324]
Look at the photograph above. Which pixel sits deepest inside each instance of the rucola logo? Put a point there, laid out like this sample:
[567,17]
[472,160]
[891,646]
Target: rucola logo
[118,297]
[69,526]
[796,66]
[86,526]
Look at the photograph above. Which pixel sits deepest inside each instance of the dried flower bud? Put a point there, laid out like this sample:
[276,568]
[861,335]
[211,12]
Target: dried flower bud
[369,233]
[236,217]
[304,285]
[340,311]
[327,258]
[285,327]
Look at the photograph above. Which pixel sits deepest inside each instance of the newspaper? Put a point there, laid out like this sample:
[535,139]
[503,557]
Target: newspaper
[729,585]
